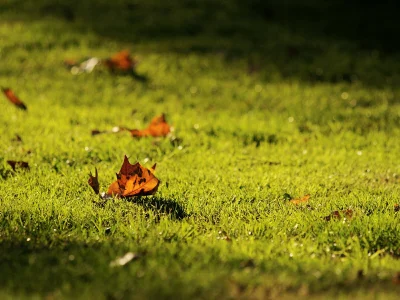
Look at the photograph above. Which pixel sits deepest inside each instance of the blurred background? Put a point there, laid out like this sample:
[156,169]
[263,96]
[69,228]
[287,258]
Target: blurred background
[310,40]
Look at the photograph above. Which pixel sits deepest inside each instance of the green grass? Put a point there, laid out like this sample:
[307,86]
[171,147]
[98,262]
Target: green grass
[315,115]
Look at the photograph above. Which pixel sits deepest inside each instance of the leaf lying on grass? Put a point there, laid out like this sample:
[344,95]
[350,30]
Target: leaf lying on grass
[132,180]
[301,200]
[13,98]
[121,61]
[18,164]
[158,127]
[340,214]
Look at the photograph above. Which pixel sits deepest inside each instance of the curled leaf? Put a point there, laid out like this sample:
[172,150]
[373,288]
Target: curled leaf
[120,61]
[298,201]
[69,63]
[13,98]
[18,164]
[158,127]
[134,180]
[94,182]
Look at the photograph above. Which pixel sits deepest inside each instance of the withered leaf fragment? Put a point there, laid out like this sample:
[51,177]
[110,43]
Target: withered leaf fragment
[96,132]
[158,127]
[13,98]
[69,63]
[303,199]
[120,61]
[339,214]
[134,180]
[94,182]
[18,164]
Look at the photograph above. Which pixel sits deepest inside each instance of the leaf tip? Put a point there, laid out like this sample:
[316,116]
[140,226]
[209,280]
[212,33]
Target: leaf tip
[94,181]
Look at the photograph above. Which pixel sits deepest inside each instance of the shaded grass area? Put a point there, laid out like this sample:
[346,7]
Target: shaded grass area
[311,41]
[262,112]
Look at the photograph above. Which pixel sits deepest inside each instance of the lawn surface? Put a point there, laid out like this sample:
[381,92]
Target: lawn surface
[266,107]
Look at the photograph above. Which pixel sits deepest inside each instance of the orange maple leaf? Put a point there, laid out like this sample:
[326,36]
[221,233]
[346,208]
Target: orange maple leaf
[120,61]
[158,127]
[134,180]
[303,199]
[14,99]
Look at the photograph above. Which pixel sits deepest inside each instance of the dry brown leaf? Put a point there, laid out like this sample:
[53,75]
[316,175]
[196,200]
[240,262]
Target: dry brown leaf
[339,214]
[69,63]
[158,127]
[120,61]
[134,180]
[13,98]
[301,200]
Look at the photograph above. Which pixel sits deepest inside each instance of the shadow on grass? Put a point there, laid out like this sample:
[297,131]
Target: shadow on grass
[134,75]
[161,206]
[73,268]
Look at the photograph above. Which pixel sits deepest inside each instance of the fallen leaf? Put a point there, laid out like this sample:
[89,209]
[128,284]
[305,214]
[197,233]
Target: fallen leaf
[158,127]
[69,63]
[18,164]
[134,180]
[339,214]
[94,182]
[14,99]
[303,199]
[96,132]
[120,61]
